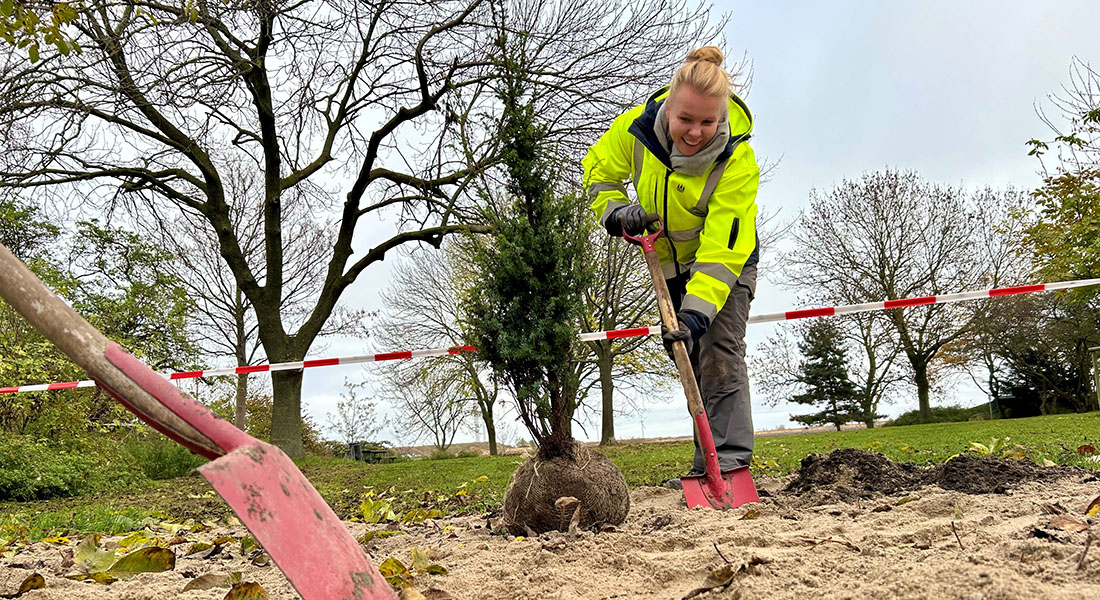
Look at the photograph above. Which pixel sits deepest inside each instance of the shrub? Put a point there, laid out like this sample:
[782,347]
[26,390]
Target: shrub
[440,455]
[34,469]
[161,458]
[940,414]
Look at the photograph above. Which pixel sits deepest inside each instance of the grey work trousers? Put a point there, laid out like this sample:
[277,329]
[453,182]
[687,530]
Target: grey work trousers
[718,361]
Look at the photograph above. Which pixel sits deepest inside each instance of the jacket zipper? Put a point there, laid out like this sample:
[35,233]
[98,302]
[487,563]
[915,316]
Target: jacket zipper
[668,231]
[733,231]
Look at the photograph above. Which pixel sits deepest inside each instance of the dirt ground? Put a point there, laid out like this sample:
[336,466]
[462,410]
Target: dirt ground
[847,525]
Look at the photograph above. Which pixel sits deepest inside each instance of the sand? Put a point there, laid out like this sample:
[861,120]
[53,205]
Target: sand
[836,537]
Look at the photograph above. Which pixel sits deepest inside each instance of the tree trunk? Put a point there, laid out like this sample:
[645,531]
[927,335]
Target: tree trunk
[242,396]
[491,429]
[490,426]
[286,412]
[241,344]
[920,377]
[607,390]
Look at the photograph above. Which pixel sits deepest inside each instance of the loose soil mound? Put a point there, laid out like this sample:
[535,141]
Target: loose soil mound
[855,474]
[989,475]
[849,474]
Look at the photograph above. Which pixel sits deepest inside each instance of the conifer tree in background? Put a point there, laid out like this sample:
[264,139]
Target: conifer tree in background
[824,373]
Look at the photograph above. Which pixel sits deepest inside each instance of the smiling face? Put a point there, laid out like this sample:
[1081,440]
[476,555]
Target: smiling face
[693,118]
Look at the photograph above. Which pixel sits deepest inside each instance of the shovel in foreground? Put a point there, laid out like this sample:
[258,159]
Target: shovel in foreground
[270,495]
[715,489]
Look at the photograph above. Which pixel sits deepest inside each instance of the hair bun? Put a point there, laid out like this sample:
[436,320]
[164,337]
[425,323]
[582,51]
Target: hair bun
[709,54]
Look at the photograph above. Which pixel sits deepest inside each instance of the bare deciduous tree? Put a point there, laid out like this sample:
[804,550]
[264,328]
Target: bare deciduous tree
[355,418]
[892,235]
[427,404]
[622,299]
[1077,131]
[421,312]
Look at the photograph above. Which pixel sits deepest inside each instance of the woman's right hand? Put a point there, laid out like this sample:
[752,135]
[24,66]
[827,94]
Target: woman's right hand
[633,219]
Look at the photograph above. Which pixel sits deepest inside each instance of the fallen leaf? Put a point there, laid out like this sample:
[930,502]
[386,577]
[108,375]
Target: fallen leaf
[101,577]
[211,580]
[172,528]
[751,513]
[1086,449]
[261,559]
[395,571]
[906,500]
[435,570]
[147,560]
[724,576]
[716,580]
[248,543]
[1049,463]
[420,559]
[67,558]
[482,479]
[246,591]
[198,547]
[410,594]
[1068,523]
[370,535]
[1093,507]
[90,557]
[33,582]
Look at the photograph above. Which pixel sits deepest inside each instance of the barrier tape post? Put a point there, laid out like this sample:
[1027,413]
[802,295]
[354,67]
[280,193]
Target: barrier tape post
[595,335]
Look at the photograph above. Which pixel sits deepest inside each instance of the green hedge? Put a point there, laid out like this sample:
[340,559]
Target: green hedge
[942,414]
[161,458]
[34,469]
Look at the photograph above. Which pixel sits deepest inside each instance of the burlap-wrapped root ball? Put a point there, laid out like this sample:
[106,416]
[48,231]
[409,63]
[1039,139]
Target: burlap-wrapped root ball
[537,485]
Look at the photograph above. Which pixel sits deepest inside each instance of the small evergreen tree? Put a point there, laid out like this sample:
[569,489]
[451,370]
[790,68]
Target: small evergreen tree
[522,315]
[824,373]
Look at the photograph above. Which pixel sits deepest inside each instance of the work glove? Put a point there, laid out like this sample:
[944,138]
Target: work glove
[692,325]
[632,218]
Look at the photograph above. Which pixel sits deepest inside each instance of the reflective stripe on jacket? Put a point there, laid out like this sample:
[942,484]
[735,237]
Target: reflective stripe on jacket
[710,219]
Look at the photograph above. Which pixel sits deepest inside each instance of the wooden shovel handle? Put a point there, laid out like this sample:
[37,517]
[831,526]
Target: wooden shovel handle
[87,347]
[679,351]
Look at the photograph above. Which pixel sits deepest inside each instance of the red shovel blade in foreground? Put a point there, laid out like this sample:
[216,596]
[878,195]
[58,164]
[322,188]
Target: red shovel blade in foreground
[728,490]
[282,508]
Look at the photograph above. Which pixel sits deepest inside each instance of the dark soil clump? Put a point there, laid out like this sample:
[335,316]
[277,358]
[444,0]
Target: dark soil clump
[852,474]
[988,475]
[849,474]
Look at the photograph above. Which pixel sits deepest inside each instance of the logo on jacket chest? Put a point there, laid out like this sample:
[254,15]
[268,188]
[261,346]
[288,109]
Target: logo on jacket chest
[680,187]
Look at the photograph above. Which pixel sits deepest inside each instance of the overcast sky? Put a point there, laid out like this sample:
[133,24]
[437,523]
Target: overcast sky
[843,88]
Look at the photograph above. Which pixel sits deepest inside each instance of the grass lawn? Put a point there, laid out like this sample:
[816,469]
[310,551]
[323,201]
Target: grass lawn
[477,484]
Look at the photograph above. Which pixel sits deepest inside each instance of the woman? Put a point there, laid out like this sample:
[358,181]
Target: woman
[685,150]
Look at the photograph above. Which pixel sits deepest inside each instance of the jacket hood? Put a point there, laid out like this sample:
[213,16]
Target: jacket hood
[643,127]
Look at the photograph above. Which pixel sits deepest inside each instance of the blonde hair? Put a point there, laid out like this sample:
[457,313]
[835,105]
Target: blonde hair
[702,70]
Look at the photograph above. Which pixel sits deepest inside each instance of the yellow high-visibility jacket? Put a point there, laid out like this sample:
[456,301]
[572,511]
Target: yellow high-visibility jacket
[710,219]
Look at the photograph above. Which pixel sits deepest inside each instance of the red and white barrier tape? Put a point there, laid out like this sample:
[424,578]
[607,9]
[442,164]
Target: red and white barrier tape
[287,366]
[596,335]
